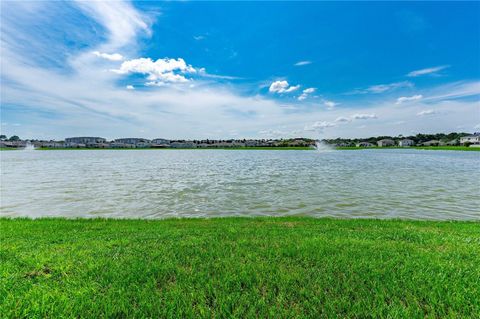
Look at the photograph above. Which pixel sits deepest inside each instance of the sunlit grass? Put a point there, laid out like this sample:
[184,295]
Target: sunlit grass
[238,268]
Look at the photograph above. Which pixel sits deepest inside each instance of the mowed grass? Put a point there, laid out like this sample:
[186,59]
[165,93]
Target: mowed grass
[239,268]
[428,148]
[258,148]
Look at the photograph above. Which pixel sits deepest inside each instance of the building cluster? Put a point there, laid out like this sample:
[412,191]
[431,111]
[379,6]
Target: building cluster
[99,142]
[469,140]
[122,143]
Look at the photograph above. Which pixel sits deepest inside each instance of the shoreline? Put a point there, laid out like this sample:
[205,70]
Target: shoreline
[239,267]
[281,148]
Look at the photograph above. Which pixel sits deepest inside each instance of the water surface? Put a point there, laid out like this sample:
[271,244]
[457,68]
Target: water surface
[413,184]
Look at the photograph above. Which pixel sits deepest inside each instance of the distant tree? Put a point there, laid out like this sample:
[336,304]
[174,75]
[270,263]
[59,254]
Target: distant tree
[14,138]
[3,137]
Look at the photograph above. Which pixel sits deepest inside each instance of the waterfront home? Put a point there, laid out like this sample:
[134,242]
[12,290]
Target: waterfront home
[431,143]
[51,144]
[134,142]
[184,144]
[386,142]
[251,143]
[12,144]
[453,143]
[160,142]
[83,141]
[472,139]
[406,143]
[121,145]
[365,144]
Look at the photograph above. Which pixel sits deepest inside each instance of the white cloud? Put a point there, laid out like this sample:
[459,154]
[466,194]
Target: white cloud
[403,99]
[330,104]
[130,87]
[309,90]
[456,90]
[429,71]
[305,93]
[110,57]
[381,88]
[342,119]
[301,63]
[160,71]
[120,18]
[282,87]
[427,112]
[319,126]
[364,116]
[199,37]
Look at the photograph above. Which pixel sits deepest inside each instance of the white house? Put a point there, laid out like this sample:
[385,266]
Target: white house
[83,141]
[406,143]
[472,139]
[386,142]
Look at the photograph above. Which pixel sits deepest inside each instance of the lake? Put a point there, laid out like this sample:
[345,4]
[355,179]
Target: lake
[396,183]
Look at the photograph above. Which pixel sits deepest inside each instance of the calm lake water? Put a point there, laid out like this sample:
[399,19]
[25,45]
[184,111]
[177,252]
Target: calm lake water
[412,184]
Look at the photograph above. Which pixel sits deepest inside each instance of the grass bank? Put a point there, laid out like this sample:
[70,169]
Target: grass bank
[238,268]
[273,148]
[429,148]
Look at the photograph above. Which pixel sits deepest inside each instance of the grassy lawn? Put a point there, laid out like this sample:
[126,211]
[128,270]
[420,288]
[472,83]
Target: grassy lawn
[272,148]
[238,268]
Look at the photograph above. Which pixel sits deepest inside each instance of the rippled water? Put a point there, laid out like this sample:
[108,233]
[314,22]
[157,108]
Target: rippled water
[197,183]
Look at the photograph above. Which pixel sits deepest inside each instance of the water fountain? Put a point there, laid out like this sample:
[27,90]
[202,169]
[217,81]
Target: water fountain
[29,146]
[321,146]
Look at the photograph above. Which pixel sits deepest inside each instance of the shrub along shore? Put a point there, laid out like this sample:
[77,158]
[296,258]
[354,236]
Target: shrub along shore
[239,267]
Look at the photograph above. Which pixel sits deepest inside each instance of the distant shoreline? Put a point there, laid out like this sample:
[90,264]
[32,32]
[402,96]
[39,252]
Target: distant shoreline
[273,148]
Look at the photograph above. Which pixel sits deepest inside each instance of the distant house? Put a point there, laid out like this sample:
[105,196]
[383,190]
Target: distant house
[386,142]
[186,144]
[406,143]
[83,141]
[453,142]
[121,145]
[251,143]
[160,141]
[134,142]
[365,144]
[472,139]
[431,143]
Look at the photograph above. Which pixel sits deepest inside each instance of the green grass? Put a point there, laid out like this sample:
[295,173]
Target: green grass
[273,148]
[239,268]
[429,148]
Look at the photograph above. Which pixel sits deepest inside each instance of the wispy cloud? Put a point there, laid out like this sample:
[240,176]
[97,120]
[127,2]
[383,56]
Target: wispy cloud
[319,126]
[301,63]
[428,71]
[427,112]
[306,93]
[382,88]
[329,104]
[404,99]
[342,119]
[364,116]
[110,57]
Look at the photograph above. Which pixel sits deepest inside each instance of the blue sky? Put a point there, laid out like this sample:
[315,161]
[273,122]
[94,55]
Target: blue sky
[239,69]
